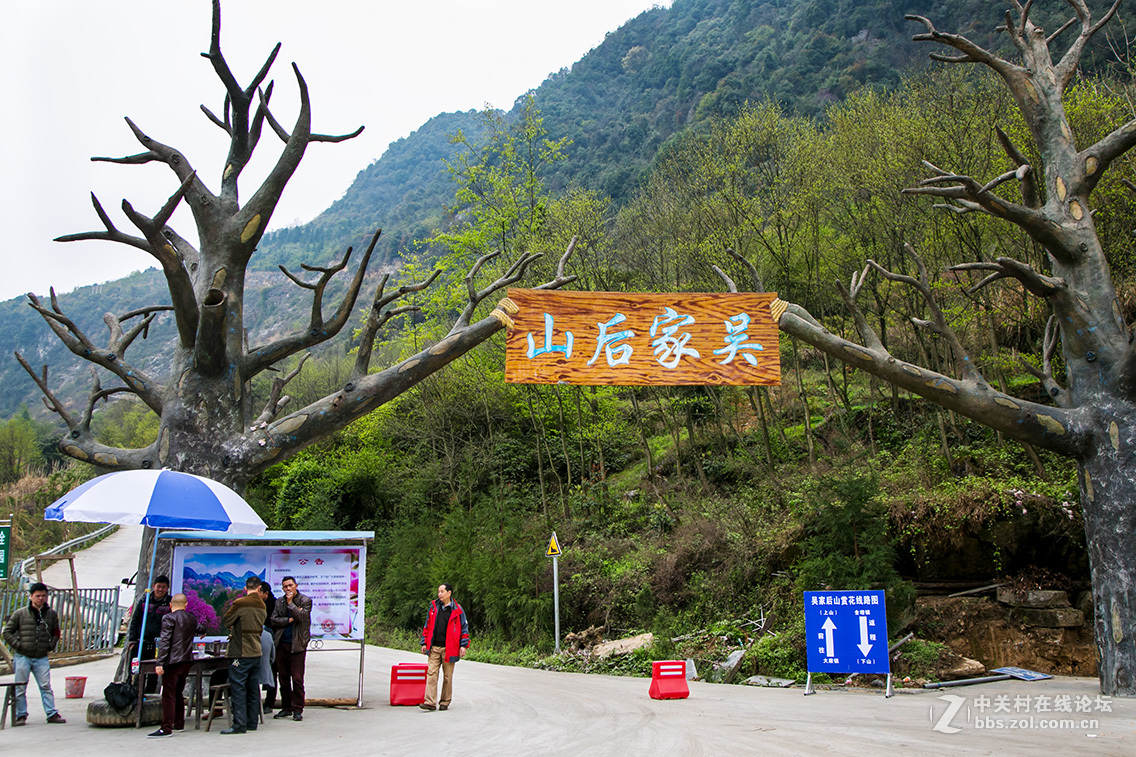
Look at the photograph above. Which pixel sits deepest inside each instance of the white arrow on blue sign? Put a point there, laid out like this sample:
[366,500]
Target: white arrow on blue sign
[846,632]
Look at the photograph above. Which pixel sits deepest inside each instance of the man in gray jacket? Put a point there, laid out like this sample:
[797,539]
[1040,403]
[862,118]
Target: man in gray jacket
[31,632]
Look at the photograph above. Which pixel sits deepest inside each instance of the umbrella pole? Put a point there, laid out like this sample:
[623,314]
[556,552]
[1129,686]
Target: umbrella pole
[146,599]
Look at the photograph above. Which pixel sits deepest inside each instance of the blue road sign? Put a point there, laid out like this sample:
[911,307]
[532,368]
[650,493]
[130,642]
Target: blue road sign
[1022,674]
[846,632]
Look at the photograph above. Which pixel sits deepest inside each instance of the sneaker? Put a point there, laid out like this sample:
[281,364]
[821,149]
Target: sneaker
[297,716]
[266,711]
[443,707]
[56,718]
[228,731]
[282,714]
[427,707]
[158,734]
[21,720]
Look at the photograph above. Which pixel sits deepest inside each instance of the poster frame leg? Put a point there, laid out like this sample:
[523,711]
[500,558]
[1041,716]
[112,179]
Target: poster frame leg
[362,649]
[809,684]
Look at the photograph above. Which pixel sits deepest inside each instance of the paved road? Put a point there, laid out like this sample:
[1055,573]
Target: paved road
[102,565]
[499,710]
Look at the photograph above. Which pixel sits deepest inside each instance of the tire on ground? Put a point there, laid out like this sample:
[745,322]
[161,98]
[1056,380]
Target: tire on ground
[99,712]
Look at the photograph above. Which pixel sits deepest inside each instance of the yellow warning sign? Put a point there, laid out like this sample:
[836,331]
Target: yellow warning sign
[553,547]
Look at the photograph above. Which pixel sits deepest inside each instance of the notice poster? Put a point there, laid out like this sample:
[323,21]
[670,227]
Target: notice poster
[333,577]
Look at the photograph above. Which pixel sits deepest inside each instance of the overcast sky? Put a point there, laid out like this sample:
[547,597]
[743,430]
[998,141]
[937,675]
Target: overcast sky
[73,69]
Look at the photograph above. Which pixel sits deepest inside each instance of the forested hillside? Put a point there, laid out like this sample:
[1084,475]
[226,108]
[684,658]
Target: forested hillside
[779,132]
[662,72]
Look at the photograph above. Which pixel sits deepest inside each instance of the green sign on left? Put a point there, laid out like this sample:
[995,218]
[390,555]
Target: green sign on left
[5,549]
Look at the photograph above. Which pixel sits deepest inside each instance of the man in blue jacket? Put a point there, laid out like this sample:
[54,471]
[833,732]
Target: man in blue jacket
[445,638]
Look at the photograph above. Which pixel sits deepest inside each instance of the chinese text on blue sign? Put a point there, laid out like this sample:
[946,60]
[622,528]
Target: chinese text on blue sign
[846,632]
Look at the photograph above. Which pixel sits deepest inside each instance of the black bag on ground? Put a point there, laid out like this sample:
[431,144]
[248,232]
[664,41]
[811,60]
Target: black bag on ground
[121,696]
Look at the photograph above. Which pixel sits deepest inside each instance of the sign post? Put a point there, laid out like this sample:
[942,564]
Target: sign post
[846,632]
[553,551]
[5,546]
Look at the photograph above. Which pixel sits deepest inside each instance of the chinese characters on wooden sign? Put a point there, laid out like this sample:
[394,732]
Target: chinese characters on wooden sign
[621,339]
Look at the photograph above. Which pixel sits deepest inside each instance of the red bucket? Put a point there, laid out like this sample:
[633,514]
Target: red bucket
[75,686]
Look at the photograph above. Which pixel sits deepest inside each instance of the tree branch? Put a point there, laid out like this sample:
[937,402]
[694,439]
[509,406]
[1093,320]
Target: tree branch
[1067,67]
[318,330]
[938,322]
[1028,186]
[49,399]
[178,280]
[378,318]
[275,402]
[251,220]
[1045,375]
[78,443]
[111,234]
[972,195]
[363,393]
[198,196]
[1097,158]
[1034,282]
[76,341]
[849,294]
[971,53]
[1067,432]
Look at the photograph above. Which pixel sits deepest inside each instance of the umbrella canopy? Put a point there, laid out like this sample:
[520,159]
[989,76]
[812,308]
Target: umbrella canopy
[159,499]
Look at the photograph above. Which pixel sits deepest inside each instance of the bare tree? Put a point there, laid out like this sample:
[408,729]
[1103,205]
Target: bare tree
[208,425]
[1093,415]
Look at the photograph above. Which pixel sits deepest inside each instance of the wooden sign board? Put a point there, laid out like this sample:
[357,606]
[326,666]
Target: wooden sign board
[632,339]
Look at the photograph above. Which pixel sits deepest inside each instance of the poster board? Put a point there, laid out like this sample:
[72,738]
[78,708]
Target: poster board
[334,577]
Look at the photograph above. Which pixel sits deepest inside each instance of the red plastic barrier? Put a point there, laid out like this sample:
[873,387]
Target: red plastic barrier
[408,683]
[668,680]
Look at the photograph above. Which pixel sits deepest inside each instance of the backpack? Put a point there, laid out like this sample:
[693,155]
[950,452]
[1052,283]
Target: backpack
[121,696]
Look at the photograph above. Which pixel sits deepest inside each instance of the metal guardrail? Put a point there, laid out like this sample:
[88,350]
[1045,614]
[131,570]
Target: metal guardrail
[88,618]
[21,573]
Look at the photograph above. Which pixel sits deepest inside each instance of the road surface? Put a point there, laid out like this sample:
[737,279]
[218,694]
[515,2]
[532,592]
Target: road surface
[500,710]
[102,565]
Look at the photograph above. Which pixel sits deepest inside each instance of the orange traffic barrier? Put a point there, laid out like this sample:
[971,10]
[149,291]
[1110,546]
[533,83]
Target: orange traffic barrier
[668,680]
[408,683]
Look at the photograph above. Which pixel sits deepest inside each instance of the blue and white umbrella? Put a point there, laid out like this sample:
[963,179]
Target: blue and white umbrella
[159,499]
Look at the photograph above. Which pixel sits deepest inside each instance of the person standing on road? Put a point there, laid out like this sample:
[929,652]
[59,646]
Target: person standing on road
[159,599]
[174,658]
[445,639]
[292,619]
[31,633]
[268,656]
[245,619]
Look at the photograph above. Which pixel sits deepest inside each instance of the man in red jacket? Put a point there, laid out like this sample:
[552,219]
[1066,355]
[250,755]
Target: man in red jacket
[444,640]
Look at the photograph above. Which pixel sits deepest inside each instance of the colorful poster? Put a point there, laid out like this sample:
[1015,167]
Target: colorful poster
[333,577]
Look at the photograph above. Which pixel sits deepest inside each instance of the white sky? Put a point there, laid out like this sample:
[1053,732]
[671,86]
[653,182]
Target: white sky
[72,69]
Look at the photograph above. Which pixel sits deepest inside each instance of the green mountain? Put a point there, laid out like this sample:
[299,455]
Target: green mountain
[662,72]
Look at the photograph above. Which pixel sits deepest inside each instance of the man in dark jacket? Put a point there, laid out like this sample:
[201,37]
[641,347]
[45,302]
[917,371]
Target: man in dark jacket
[159,604]
[30,633]
[291,620]
[445,639]
[245,619]
[175,658]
